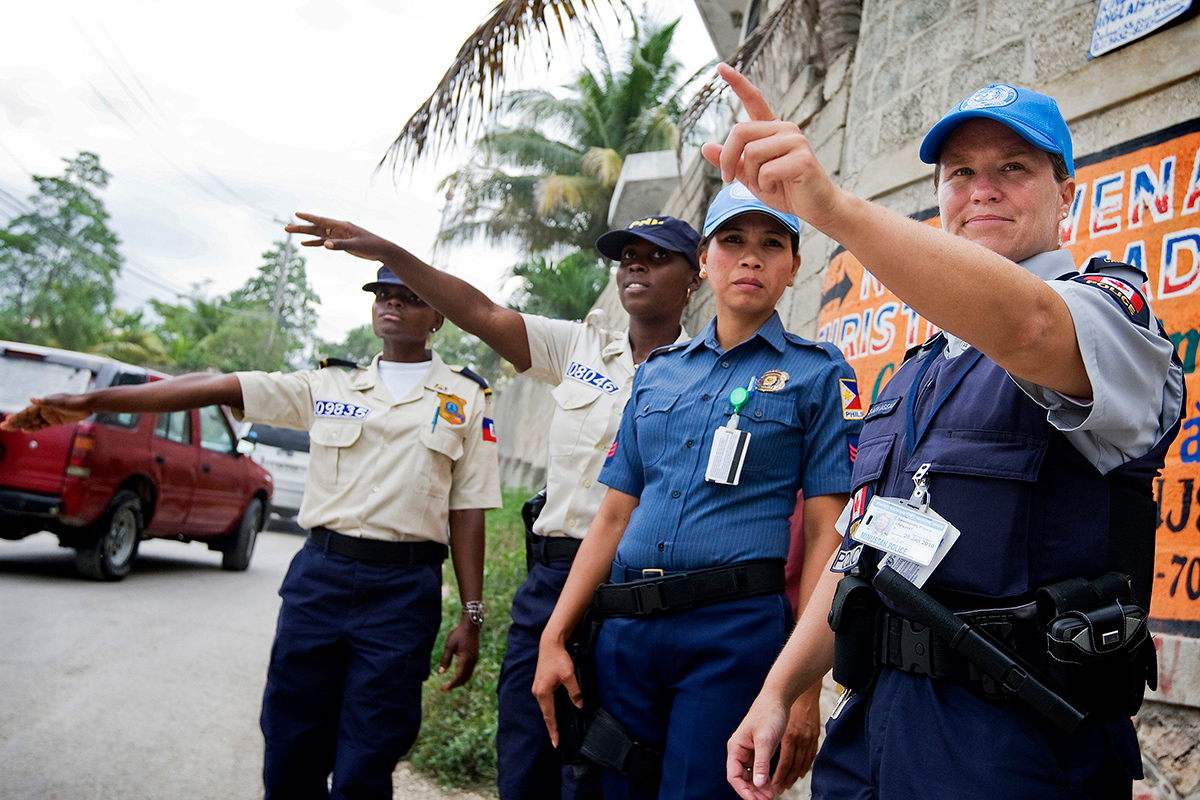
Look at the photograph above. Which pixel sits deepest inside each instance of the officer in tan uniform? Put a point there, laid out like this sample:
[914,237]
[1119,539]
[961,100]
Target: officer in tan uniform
[591,366]
[403,463]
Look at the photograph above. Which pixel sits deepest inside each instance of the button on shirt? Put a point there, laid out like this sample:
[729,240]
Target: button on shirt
[381,467]
[591,368]
[800,438]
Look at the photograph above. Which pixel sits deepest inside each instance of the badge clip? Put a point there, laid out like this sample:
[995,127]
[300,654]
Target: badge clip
[920,495]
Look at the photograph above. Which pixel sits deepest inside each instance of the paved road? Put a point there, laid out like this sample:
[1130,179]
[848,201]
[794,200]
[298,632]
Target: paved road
[144,689]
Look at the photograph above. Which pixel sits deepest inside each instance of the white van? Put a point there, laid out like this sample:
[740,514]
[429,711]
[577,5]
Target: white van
[284,453]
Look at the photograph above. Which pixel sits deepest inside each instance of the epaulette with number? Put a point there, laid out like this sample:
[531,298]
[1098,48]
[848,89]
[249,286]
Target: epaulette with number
[670,348]
[467,373]
[338,362]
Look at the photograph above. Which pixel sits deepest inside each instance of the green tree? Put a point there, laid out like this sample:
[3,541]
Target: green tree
[546,180]
[59,261]
[360,346]
[456,346]
[281,289]
[563,290]
[132,340]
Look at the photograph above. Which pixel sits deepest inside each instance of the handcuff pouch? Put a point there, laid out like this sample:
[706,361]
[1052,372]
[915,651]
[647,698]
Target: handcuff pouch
[854,618]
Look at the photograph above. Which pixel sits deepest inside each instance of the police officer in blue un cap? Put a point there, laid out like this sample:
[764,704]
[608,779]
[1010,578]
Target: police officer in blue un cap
[1019,448]
[718,437]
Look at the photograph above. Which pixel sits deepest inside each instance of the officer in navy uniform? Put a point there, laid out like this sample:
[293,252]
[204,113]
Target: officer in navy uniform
[591,366]
[403,462]
[1033,426]
[718,436]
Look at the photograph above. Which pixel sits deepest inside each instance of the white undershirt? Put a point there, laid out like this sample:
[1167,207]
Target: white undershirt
[401,376]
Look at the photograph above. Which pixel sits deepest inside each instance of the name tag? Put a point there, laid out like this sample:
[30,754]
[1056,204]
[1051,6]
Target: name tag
[585,374]
[894,526]
[332,408]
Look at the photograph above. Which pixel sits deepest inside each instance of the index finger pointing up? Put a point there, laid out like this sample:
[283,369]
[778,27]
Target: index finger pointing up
[747,92]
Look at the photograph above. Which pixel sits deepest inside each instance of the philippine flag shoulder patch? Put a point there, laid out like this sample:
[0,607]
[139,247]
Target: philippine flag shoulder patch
[851,403]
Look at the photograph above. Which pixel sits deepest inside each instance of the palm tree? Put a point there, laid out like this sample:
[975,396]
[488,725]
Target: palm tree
[545,180]
[797,31]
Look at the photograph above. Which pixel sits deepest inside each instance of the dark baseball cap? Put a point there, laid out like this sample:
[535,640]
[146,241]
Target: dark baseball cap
[1034,116]
[384,276]
[673,234]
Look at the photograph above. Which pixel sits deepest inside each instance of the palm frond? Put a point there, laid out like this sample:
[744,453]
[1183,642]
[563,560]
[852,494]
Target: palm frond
[555,193]
[604,164]
[469,89]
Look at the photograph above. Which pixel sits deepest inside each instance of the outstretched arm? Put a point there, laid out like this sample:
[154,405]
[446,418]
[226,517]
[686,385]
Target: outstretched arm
[174,394]
[470,309]
[1008,313]
[466,551]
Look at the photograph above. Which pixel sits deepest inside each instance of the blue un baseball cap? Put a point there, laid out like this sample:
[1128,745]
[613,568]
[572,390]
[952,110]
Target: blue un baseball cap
[673,234]
[736,199]
[384,276]
[1033,115]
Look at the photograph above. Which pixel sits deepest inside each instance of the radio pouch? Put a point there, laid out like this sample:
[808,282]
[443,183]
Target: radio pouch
[854,618]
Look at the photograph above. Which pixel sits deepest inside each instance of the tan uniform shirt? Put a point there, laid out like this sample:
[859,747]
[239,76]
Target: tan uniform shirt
[380,467]
[591,367]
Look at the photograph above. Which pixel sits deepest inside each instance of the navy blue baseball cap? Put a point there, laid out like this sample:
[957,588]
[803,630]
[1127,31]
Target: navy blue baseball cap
[1033,115]
[673,234]
[384,276]
[736,199]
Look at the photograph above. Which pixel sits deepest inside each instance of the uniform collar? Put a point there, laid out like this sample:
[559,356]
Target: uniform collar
[771,332]
[620,343]
[1050,264]
[437,378]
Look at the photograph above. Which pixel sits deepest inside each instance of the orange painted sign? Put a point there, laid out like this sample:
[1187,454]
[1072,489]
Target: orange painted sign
[1140,203]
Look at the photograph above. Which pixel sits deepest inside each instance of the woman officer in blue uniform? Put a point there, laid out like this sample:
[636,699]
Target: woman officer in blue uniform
[718,436]
[1050,393]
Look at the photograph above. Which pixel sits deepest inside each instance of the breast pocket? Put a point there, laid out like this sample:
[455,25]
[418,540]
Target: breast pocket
[574,418]
[444,446]
[775,434]
[652,422]
[331,440]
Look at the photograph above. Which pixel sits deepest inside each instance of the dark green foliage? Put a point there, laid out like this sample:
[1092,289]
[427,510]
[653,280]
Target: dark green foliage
[456,346]
[58,263]
[563,290]
[360,346]
[457,744]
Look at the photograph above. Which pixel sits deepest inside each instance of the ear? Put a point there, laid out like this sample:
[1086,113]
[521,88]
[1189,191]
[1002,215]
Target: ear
[1066,196]
[703,273]
[795,268]
[438,320]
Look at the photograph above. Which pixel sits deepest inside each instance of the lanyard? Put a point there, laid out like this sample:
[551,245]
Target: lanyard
[926,362]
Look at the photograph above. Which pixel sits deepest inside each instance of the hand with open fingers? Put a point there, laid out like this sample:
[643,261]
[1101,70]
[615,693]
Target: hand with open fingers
[554,669]
[336,234]
[57,409]
[772,157]
[462,642]
[748,766]
[798,748]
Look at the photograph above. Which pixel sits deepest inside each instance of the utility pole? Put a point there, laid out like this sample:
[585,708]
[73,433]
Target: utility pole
[280,283]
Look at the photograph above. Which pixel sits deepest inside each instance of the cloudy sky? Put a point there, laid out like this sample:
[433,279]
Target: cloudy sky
[217,119]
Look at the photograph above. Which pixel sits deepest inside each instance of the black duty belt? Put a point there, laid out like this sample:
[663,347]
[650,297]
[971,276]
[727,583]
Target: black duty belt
[551,549]
[362,549]
[658,593]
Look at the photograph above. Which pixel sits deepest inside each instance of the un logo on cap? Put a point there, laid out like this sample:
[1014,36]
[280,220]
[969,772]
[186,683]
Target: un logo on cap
[740,192]
[998,94]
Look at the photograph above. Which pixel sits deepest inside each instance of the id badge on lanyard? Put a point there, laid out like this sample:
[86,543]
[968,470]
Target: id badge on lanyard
[914,537]
[729,444]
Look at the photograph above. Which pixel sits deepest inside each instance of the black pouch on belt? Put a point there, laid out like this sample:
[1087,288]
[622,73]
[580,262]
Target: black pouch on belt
[1097,642]
[854,618]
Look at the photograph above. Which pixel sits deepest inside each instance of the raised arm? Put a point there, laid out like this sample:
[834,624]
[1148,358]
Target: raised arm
[470,309]
[1008,313]
[174,394]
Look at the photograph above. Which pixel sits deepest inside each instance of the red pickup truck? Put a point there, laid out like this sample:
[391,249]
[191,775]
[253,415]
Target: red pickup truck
[104,484]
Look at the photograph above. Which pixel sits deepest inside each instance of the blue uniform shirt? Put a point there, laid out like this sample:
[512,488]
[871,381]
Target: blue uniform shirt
[801,437]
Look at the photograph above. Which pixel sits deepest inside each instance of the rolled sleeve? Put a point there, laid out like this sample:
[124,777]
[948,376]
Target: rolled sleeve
[826,467]
[1136,389]
[551,342]
[273,398]
[476,473]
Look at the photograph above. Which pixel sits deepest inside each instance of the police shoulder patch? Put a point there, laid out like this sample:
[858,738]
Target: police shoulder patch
[1122,293]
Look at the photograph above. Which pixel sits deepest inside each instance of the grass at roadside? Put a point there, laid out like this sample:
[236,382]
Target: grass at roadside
[457,744]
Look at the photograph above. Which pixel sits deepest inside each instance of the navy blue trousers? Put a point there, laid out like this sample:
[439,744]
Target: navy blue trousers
[915,737]
[343,693]
[683,682]
[528,766]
